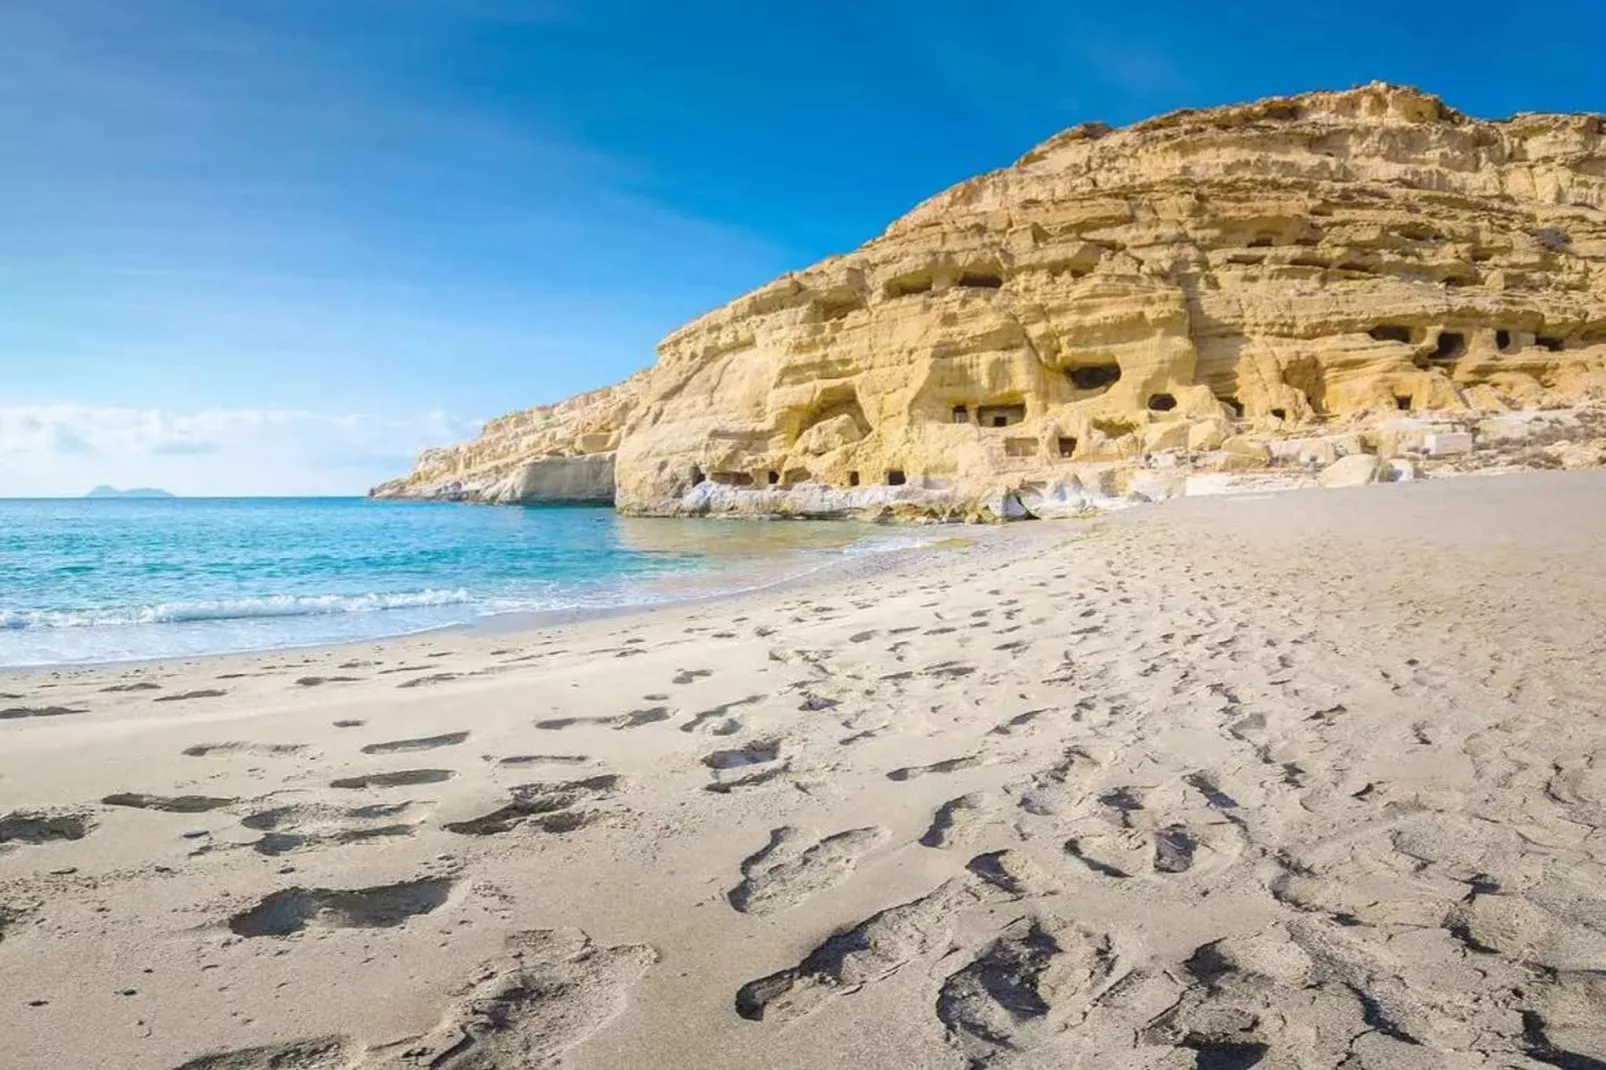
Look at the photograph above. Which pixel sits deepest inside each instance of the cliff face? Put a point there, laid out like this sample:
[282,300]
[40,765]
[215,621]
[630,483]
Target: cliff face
[1189,287]
[561,452]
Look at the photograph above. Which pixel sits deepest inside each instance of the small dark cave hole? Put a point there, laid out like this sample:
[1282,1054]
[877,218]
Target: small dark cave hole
[1162,402]
[1452,344]
[896,478]
[1094,376]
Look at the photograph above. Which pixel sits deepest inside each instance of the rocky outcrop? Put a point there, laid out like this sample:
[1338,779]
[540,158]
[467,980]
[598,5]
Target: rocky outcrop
[1180,295]
[552,453]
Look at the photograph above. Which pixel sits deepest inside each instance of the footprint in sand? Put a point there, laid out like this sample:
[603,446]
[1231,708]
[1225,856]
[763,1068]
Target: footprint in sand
[322,1053]
[1012,873]
[686,676]
[549,807]
[717,721]
[795,865]
[401,778]
[288,828]
[276,750]
[137,685]
[950,765]
[404,746]
[875,948]
[955,821]
[18,712]
[548,993]
[293,910]
[168,804]
[633,719]
[34,827]
[554,724]
[430,680]
[1035,975]
[1019,721]
[188,695]
[319,681]
[637,718]
[756,753]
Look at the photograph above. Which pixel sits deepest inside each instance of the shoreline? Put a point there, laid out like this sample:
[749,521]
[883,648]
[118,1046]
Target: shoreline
[1293,763]
[515,623]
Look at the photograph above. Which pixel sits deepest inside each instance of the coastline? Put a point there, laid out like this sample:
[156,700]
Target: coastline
[1344,740]
[513,623]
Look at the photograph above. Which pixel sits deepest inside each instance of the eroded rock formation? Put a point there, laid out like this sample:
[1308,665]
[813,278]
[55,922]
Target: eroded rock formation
[1190,290]
[551,453]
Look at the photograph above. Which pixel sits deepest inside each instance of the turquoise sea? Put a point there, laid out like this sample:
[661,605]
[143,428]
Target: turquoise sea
[96,580]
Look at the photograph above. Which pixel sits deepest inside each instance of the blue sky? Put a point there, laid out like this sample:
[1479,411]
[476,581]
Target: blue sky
[300,217]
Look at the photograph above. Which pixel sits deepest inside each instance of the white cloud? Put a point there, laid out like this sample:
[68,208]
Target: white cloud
[67,449]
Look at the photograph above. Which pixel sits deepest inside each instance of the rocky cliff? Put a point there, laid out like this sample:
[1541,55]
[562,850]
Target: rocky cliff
[1121,308]
[551,453]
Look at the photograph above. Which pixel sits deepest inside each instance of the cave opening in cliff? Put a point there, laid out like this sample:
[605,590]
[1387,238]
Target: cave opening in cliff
[734,479]
[853,478]
[1263,241]
[772,477]
[1000,415]
[1391,332]
[1452,344]
[896,478]
[1162,402]
[697,476]
[1067,446]
[1550,342]
[1402,402]
[1279,414]
[908,285]
[979,280]
[1235,405]
[961,414]
[1094,376]
[1502,341]
[795,476]
[1020,447]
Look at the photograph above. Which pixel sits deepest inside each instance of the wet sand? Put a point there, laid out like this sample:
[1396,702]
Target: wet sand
[1306,780]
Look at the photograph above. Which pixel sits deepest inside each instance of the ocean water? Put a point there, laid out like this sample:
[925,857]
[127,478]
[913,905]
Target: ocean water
[112,580]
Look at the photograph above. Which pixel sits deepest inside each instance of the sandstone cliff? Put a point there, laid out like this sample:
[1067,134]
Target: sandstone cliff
[1120,307]
[551,453]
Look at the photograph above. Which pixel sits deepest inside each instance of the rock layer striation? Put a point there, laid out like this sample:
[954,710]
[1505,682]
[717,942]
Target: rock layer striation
[1183,295]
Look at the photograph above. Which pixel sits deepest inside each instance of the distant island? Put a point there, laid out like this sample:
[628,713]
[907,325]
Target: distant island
[104,491]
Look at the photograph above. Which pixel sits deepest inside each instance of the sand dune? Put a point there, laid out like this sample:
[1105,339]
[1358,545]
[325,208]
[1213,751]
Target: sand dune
[1313,780]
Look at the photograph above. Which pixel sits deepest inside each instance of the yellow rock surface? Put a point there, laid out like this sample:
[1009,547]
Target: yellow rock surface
[1292,267]
[560,452]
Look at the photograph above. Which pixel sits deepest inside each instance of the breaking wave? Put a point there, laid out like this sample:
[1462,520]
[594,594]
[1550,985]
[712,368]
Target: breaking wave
[233,609]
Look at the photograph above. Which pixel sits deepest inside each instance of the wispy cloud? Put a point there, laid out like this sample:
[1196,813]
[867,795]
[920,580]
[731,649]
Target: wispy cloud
[66,449]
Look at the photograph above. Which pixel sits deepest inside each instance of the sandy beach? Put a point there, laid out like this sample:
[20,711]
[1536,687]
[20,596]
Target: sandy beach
[1307,780]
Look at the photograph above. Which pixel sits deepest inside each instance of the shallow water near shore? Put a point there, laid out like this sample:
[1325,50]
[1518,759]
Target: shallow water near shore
[86,581]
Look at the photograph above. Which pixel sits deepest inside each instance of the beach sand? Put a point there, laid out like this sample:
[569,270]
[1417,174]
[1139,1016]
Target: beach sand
[1307,780]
